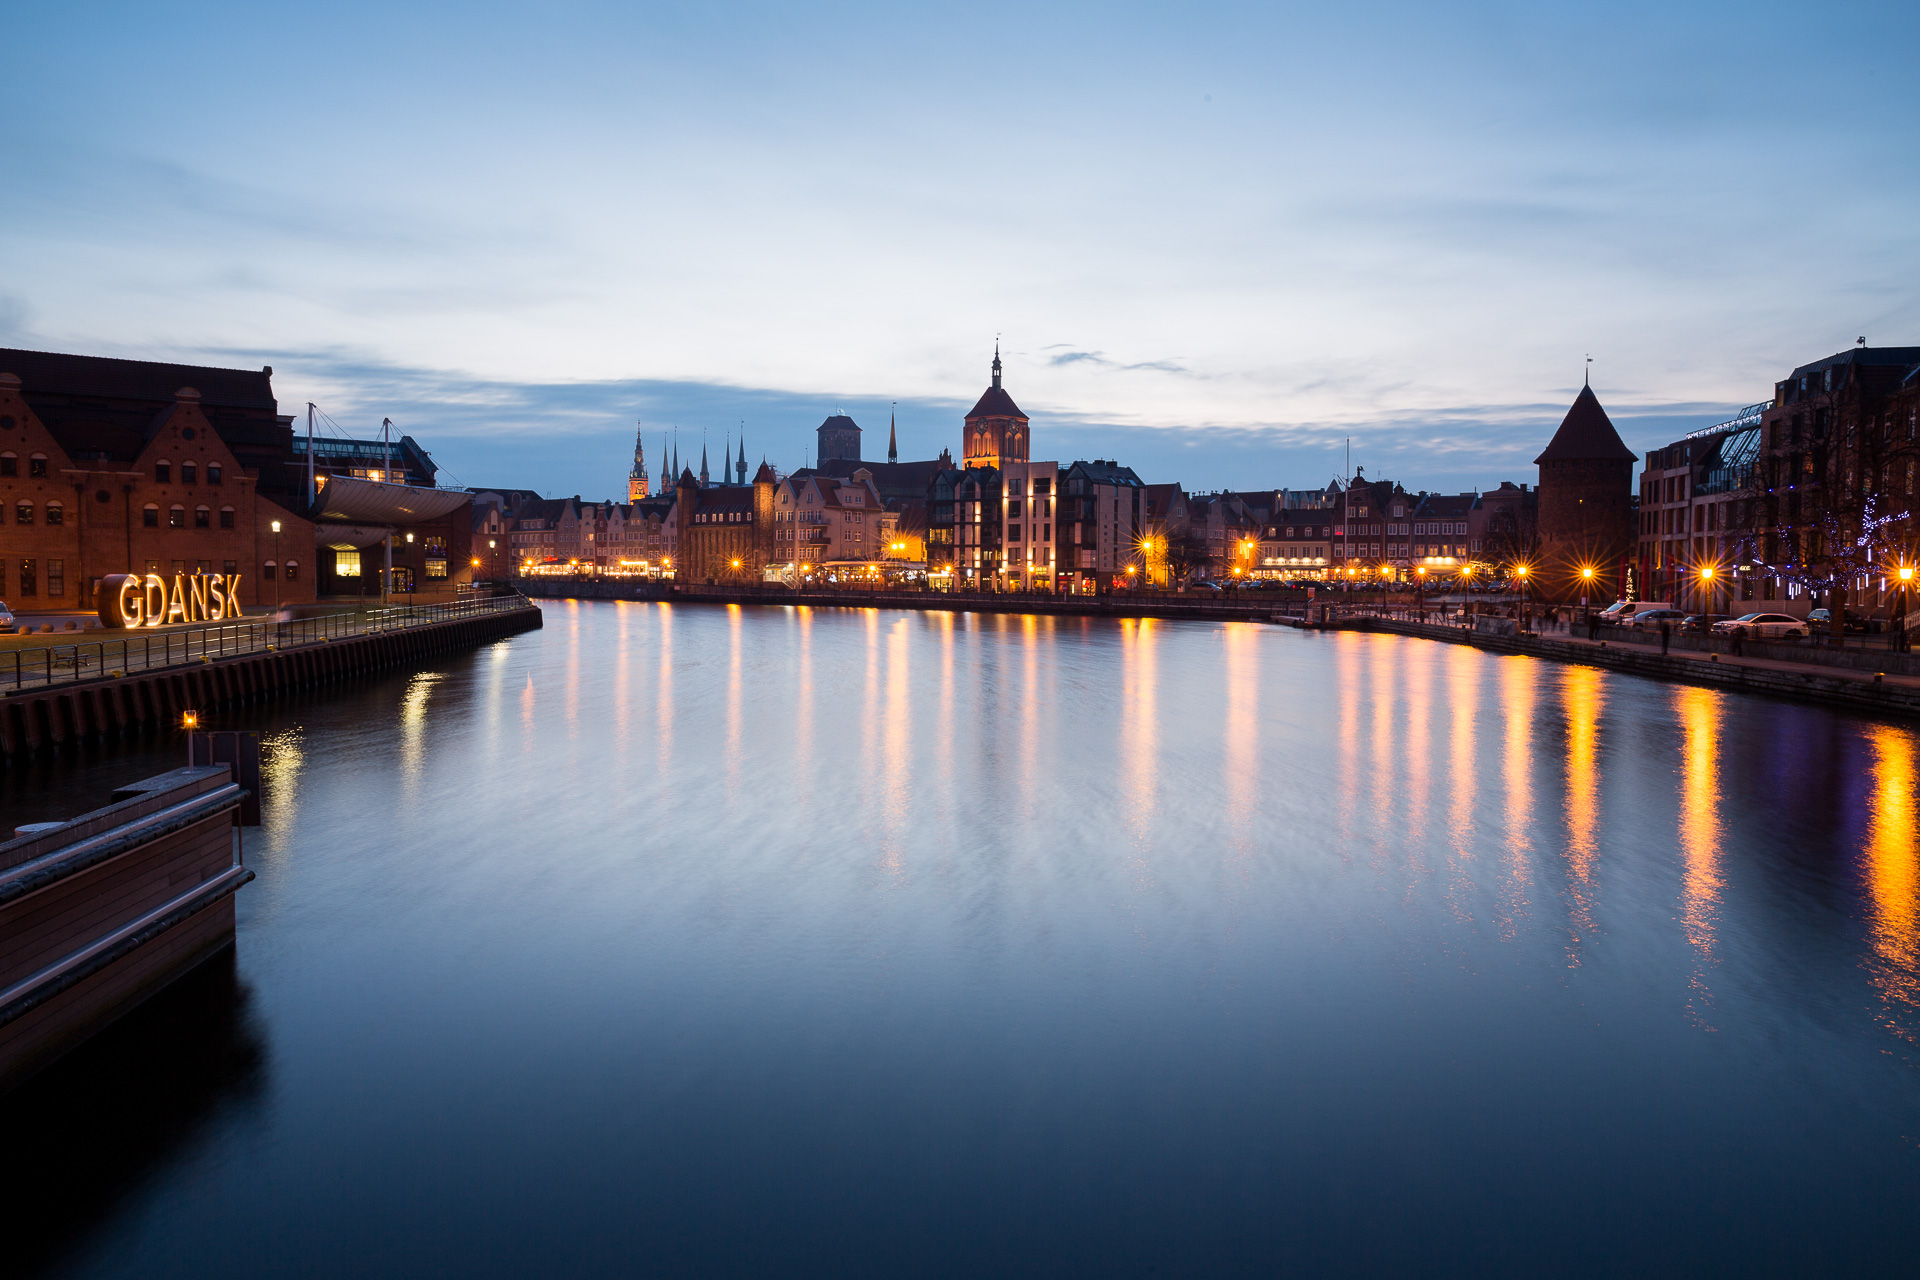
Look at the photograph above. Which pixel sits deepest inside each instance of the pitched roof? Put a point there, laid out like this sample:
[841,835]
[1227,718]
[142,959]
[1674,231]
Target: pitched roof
[1586,432]
[112,379]
[995,403]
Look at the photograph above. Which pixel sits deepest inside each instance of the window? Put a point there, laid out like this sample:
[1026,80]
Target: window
[229,567]
[37,465]
[23,514]
[9,464]
[179,566]
[436,570]
[203,567]
[213,473]
[269,570]
[436,546]
[346,564]
[226,517]
[150,517]
[187,473]
[293,570]
[163,473]
[153,566]
[29,578]
[176,517]
[56,578]
[202,518]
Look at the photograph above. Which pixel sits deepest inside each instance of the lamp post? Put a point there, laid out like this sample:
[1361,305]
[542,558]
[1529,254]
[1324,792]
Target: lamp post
[1420,592]
[1526,613]
[1906,584]
[1706,587]
[276,566]
[1586,595]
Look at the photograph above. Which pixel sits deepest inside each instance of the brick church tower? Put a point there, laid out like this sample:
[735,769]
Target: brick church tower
[637,478]
[996,430]
[1586,506]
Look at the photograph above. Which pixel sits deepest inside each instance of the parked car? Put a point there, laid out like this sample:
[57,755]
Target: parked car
[7,622]
[1821,620]
[1761,626]
[1700,622]
[1650,619]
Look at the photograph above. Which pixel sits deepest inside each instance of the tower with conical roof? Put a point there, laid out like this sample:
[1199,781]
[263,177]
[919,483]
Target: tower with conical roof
[1586,506]
[637,478]
[995,430]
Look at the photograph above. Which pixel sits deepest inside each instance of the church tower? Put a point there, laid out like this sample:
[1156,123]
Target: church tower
[996,430]
[703,461]
[637,478]
[740,467]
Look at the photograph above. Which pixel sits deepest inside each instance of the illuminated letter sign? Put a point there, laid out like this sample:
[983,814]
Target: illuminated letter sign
[131,600]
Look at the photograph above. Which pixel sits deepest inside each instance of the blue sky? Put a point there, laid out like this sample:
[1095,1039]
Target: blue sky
[1217,241]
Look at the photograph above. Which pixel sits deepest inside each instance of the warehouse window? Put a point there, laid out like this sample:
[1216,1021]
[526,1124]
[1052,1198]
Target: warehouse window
[162,472]
[37,465]
[346,564]
[150,517]
[188,473]
[56,514]
[202,518]
[213,473]
[226,517]
[177,516]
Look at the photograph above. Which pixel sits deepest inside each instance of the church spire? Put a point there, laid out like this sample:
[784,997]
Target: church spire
[893,440]
[637,478]
[996,362]
[740,468]
[703,459]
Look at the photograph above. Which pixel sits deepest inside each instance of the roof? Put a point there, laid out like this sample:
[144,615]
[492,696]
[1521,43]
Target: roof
[839,422]
[1446,506]
[1103,472]
[373,502]
[1853,355]
[995,403]
[1586,432]
[891,479]
[112,379]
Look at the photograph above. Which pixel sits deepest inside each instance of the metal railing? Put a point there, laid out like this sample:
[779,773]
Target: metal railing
[158,650]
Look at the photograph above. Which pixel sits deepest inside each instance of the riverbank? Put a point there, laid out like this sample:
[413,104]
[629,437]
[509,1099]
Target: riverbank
[88,699]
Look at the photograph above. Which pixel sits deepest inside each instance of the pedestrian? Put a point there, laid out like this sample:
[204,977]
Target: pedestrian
[1666,636]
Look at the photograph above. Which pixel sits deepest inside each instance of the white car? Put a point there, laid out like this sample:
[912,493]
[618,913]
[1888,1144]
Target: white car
[1761,626]
[6,617]
[1650,619]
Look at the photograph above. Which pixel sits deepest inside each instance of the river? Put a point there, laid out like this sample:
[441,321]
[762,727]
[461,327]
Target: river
[718,940]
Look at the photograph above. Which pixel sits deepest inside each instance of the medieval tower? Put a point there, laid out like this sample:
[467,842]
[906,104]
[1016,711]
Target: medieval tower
[1586,506]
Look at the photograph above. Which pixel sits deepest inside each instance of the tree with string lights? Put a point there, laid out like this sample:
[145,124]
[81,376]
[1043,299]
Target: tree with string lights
[1829,553]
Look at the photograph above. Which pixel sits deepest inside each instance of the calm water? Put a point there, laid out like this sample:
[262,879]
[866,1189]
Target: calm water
[696,940]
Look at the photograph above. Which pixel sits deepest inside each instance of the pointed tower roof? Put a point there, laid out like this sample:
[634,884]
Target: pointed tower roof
[765,474]
[1586,432]
[639,458]
[893,439]
[996,403]
[703,459]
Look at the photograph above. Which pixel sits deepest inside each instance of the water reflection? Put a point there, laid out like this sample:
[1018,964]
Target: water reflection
[1517,680]
[1699,714]
[1583,701]
[1893,878]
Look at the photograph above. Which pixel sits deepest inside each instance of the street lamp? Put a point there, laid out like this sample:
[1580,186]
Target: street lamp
[1706,586]
[1906,584]
[276,565]
[1420,592]
[1586,594]
[1526,614]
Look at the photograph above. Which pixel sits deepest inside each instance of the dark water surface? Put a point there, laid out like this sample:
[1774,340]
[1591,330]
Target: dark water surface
[704,940]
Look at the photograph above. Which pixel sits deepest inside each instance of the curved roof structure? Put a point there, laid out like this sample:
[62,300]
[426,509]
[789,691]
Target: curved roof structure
[375,502]
[1586,432]
[996,403]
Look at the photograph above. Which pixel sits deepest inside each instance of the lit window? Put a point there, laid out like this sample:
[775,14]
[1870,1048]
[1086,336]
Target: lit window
[37,465]
[346,564]
[177,517]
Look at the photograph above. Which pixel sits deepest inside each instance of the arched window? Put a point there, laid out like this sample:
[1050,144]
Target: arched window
[226,517]
[176,516]
[293,570]
[202,518]
[9,464]
[268,569]
[56,513]
[213,473]
[23,514]
[151,516]
[187,473]
[37,465]
[163,472]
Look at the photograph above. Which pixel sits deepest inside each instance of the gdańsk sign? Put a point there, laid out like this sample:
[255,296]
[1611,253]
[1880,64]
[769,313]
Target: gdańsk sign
[130,600]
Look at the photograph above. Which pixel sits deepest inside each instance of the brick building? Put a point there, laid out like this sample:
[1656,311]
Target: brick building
[1586,506]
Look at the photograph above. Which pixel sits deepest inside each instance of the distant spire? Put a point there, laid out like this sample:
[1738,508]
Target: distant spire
[893,442]
[639,457]
[703,458]
[996,362]
[1587,379]
[740,467]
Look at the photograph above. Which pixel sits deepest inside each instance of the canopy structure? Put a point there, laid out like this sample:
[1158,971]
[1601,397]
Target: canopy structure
[376,502]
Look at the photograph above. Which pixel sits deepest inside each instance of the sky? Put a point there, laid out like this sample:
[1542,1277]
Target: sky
[1227,245]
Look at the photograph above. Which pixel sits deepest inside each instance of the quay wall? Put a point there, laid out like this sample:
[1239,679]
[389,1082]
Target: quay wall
[1873,696]
[1118,605]
[32,719]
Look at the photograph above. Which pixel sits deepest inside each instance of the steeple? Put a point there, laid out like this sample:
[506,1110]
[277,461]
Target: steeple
[740,467]
[893,441]
[637,478]
[996,362]
[703,459]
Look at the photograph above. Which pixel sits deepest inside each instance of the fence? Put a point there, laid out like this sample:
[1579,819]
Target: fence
[152,651]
